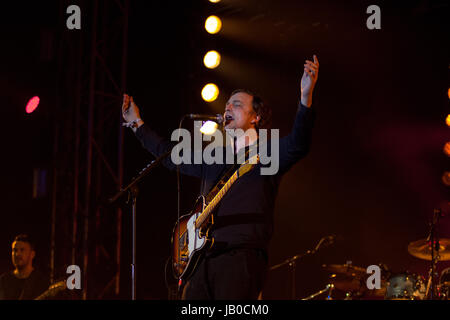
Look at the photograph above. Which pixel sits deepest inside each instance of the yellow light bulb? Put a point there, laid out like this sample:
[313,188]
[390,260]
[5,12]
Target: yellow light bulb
[213,24]
[210,92]
[209,127]
[211,59]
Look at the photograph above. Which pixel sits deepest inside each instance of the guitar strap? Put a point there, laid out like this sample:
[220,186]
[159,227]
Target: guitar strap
[238,161]
[235,219]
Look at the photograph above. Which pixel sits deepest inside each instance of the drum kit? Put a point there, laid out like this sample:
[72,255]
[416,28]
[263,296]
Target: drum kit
[348,282]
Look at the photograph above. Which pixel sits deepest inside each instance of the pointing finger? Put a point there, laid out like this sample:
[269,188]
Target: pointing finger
[316,61]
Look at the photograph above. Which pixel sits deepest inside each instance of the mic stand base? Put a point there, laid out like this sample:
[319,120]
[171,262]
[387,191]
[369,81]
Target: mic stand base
[134,193]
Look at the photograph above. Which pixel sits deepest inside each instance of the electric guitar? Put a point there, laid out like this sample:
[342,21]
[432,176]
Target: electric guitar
[192,235]
[53,290]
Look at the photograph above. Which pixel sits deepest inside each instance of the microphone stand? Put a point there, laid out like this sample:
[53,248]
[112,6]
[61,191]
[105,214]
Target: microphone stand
[435,246]
[291,262]
[328,288]
[132,190]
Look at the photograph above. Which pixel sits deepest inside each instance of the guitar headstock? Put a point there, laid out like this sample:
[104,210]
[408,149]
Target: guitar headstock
[248,165]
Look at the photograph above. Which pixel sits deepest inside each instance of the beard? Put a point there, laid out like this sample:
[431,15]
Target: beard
[20,263]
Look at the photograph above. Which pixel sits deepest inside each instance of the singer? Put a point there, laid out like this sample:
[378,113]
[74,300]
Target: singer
[236,266]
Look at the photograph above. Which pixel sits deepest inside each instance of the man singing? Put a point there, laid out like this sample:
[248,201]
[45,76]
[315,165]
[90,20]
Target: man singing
[236,266]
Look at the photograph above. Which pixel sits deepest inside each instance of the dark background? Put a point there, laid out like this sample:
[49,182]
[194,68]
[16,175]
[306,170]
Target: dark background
[373,175]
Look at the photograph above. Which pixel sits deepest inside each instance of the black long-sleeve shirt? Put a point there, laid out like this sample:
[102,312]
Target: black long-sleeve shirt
[244,217]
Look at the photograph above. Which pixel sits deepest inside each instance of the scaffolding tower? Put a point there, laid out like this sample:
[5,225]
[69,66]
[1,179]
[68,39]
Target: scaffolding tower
[88,145]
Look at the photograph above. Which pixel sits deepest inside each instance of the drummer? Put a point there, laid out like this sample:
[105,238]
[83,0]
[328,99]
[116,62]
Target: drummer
[24,282]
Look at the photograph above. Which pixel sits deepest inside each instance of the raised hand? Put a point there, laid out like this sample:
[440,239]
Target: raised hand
[130,111]
[309,79]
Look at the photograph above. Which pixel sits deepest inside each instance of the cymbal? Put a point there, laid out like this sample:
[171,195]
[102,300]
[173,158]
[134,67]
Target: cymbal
[350,278]
[346,283]
[422,249]
[345,269]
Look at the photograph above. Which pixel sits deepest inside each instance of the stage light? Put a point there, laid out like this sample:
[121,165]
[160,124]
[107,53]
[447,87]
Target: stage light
[447,149]
[209,127]
[32,104]
[211,59]
[446,178]
[213,24]
[448,120]
[448,93]
[210,92]
[214,1]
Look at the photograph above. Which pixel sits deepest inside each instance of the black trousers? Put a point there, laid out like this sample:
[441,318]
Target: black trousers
[238,274]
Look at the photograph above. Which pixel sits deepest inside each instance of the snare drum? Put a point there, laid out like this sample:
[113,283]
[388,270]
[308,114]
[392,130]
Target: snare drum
[405,286]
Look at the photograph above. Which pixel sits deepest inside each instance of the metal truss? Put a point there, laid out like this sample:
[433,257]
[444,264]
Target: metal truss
[88,145]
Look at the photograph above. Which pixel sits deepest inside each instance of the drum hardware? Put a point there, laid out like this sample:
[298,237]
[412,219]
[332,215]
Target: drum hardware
[431,249]
[346,277]
[328,288]
[345,269]
[349,281]
[291,262]
[400,285]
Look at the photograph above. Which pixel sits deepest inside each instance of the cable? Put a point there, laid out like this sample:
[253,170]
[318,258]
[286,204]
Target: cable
[165,274]
[179,210]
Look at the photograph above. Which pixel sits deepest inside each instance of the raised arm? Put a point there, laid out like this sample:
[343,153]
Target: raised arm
[151,141]
[297,143]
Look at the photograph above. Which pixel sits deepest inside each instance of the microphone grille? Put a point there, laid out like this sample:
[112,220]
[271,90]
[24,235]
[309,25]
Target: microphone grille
[219,118]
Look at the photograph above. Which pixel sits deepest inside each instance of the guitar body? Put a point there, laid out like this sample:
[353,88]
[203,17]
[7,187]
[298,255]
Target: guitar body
[188,242]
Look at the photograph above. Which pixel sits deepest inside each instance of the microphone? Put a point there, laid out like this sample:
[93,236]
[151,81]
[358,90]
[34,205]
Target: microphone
[330,239]
[217,118]
[326,241]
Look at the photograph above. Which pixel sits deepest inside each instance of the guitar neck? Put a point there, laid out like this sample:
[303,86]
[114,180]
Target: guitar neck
[212,205]
[243,169]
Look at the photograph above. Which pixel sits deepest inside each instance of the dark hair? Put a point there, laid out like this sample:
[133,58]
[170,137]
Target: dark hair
[262,110]
[25,238]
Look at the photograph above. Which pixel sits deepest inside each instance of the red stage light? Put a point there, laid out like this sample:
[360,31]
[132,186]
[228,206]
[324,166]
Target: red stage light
[32,104]
[447,149]
[446,178]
